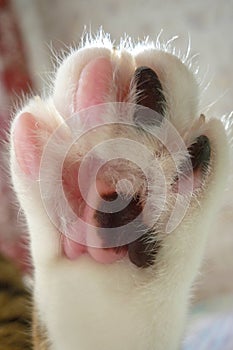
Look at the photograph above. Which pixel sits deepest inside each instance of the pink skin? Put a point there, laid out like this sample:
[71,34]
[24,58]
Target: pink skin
[73,249]
[94,84]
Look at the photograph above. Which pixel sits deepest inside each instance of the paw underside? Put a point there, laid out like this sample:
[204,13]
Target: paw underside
[107,185]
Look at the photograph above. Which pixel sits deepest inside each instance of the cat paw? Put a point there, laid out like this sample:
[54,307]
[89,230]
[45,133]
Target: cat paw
[117,157]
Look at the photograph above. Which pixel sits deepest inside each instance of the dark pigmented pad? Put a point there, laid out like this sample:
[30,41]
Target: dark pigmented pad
[140,252]
[118,220]
[200,152]
[150,95]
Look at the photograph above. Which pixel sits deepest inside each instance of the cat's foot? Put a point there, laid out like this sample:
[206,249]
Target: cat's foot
[95,151]
[116,171]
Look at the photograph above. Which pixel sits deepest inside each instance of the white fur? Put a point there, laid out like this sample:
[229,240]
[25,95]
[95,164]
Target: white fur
[86,305]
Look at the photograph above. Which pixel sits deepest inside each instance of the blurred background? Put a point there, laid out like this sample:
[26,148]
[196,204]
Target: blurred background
[209,24]
[30,28]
